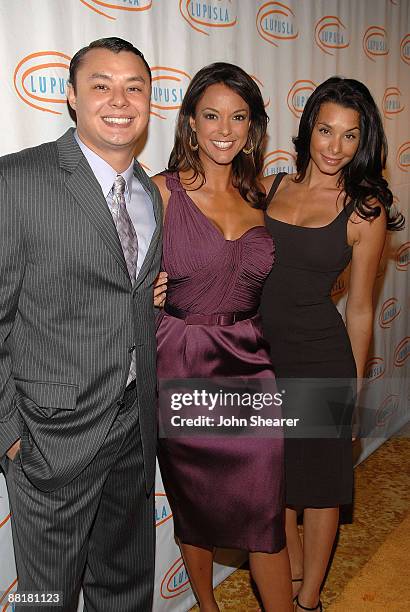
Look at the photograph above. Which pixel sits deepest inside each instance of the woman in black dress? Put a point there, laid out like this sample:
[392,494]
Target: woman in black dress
[334,210]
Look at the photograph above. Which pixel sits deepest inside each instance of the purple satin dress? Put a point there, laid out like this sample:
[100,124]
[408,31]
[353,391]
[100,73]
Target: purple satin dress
[224,491]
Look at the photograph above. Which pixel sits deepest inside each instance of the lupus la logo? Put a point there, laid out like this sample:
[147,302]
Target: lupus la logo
[175,580]
[392,103]
[279,161]
[162,509]
[331,34]
[275,21]
[375,368]
[168,89]
[387,409]
[403,156]
[203,15]
[390,310]
[375,42]
[405,48]
[403,257]
[402,352]
[40,80]
[298,95]
[108,9]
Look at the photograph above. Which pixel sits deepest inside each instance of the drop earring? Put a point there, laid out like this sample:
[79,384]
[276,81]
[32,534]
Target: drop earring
[250,150]
[193,147]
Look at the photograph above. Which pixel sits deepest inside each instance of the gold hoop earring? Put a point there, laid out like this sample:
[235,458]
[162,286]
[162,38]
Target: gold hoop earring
[250,150]
[193,147]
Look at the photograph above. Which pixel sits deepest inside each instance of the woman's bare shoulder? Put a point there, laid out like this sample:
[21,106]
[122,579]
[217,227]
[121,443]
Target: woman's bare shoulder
[161,183]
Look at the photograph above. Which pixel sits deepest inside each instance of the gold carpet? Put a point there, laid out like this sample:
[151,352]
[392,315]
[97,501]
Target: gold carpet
[384,582]
[382,501]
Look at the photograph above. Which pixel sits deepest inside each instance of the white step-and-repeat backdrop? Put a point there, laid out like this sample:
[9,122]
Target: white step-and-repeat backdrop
[288,47]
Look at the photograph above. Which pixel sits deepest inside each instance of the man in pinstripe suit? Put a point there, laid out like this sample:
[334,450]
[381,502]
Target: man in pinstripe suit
[77,344]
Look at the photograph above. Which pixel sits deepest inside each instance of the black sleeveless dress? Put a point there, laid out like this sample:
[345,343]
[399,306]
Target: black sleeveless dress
[309,344]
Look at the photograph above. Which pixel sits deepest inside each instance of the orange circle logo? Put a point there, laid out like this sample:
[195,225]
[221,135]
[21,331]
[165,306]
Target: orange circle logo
[403,257]
[108,8]
[392,102]
[374,368]
[276,22]
[298,95]
[405,49]
[331,34]
[162,509]
[403,156]
[202,16]
[40,80]
[168,89]
[390,310]
[175,581]
[386,410]
[279,161]
[375,43]
[402,352]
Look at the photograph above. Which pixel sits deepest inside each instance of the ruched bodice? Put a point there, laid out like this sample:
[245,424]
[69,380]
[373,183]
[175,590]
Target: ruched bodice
[208,273]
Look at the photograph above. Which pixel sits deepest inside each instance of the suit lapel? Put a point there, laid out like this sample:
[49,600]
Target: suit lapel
[157,206]
[86,191]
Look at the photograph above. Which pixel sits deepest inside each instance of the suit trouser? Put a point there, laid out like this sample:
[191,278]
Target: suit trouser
[97,532]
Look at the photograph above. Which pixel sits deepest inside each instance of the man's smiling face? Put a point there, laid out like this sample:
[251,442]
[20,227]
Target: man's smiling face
[111,98]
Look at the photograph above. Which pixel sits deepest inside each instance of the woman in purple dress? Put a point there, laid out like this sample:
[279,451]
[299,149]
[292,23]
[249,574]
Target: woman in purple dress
[224,491]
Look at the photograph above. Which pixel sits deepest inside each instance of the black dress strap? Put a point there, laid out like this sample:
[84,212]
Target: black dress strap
[275,185]
[349,208]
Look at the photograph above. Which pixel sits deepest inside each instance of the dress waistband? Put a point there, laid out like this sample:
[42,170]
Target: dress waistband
[223,319]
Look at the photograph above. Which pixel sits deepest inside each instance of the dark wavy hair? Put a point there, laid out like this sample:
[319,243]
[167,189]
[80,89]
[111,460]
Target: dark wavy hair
[361,179]
[245,168]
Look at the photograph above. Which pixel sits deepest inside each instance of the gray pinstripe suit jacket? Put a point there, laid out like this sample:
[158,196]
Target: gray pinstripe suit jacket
[68,315]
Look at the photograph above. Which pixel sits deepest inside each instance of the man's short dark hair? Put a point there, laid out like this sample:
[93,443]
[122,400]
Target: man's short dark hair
[113,44]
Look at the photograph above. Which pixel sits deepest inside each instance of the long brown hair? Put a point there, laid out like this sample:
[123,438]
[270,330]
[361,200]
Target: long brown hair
[245,168]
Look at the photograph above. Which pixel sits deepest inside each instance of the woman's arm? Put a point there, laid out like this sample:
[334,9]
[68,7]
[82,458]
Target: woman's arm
[368,241]
[160,285]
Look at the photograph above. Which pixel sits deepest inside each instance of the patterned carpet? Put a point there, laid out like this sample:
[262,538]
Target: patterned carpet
[382,500]
[384,582]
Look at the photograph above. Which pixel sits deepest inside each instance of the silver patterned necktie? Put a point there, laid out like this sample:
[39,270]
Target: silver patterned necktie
[129,242]
[125,228]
